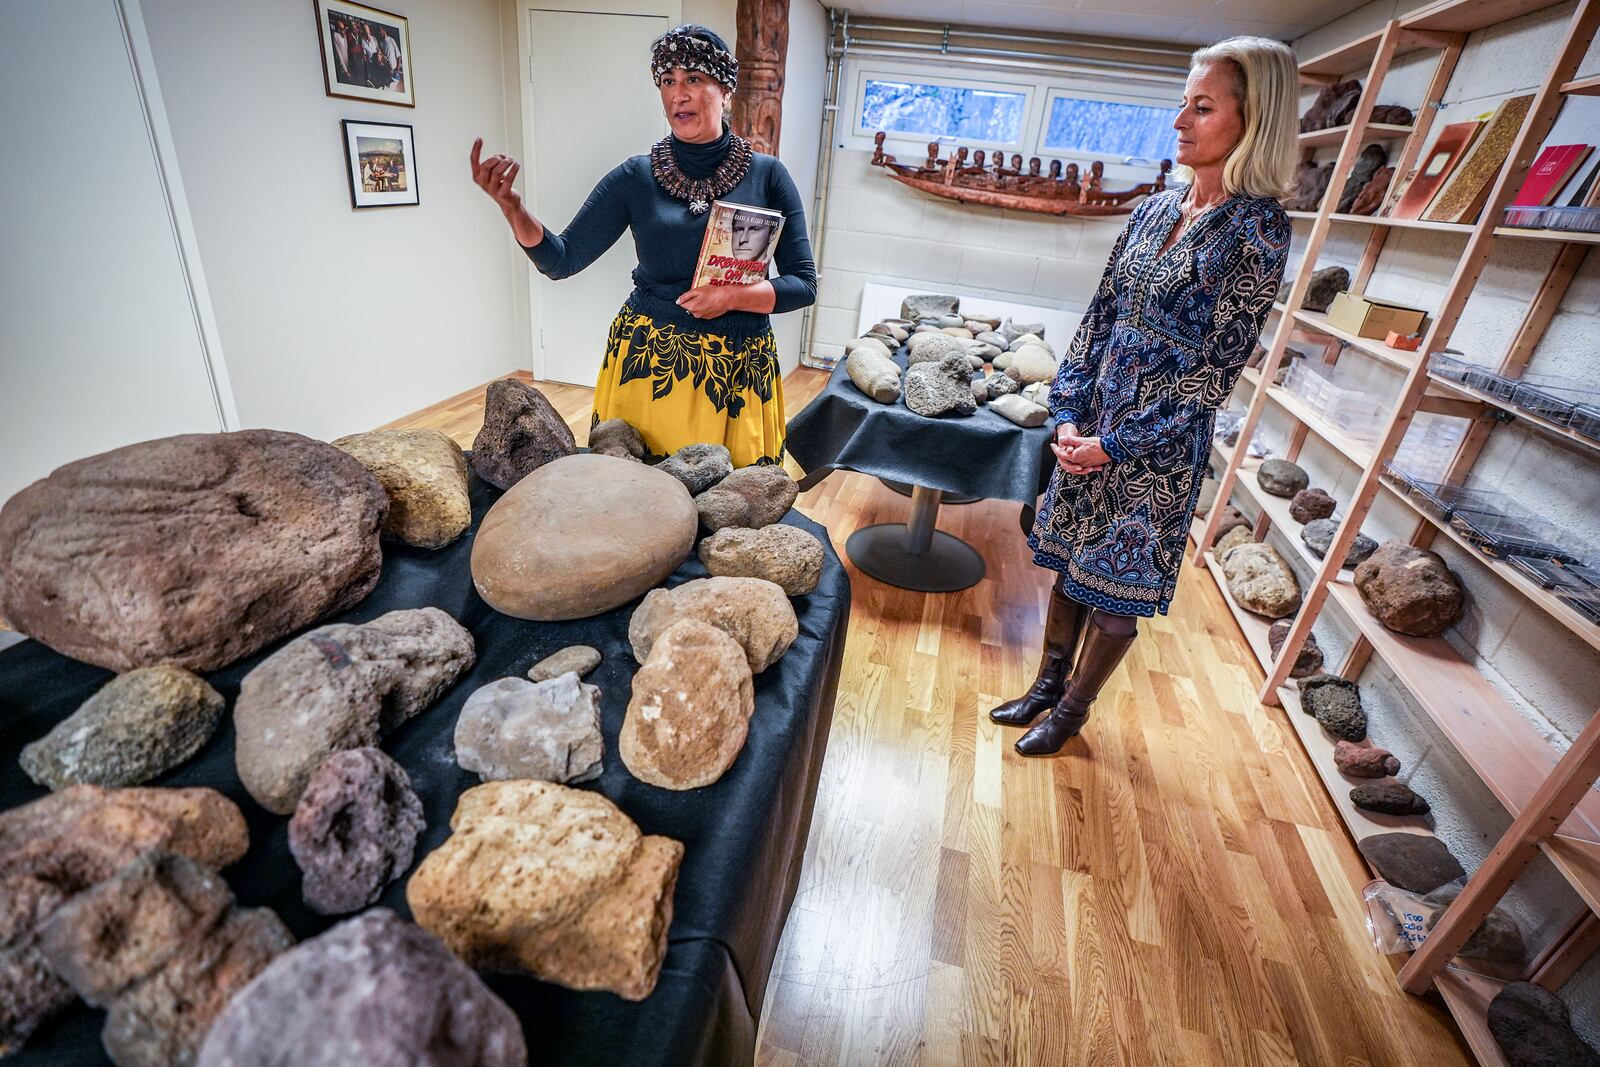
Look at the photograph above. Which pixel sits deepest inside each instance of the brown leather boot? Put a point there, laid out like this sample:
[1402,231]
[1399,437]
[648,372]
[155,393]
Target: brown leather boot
[1063,625]
[1099,656]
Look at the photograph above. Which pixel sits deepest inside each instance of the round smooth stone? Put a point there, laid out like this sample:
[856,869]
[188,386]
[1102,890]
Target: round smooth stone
[581,535]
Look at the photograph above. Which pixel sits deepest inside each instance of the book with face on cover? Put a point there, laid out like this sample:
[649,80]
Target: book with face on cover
[1434,167]
[739,244]
[1464,194]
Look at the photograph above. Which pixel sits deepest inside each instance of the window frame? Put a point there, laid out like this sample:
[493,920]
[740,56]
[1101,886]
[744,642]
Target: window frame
[1040,87]
[925,76]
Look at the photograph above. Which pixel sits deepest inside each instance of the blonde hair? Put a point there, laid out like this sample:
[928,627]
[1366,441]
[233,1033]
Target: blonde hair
[1268,89]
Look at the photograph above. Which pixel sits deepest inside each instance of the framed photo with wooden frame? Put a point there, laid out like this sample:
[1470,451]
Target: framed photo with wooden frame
[382,163]
[366,52]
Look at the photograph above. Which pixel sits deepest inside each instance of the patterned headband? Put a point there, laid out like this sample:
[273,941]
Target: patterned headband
[676,48]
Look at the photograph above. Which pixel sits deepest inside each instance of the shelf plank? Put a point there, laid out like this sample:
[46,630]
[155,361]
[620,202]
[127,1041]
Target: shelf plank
[1576,237]
[1388,223]
[1467,995]
[1398,358]
[1301,214]
[1555,429]
[1346,58]
[1505,750]
[1543,599]
[1355,451]
[1583,87]
[1375,131]
[1467,16]
[1580,862]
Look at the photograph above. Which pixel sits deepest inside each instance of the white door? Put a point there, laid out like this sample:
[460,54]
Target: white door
[593,107]
[100,321]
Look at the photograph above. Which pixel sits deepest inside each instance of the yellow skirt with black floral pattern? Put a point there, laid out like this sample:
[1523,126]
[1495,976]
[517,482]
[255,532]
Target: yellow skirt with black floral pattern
[682,387]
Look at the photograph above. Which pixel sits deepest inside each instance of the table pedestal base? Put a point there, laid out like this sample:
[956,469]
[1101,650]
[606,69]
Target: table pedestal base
[905,488]
[914,555]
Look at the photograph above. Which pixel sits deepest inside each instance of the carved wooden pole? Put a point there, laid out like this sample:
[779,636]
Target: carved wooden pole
[762,47]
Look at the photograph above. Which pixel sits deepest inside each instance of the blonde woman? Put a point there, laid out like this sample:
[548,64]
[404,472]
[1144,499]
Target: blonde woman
[1177,313]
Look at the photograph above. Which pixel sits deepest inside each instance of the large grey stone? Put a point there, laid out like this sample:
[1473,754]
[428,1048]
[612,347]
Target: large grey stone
[137,726]
[514,728]
[425,475]
[999,384]
[698,467]
[1318,534]
[1533,1028]
[1324,285]
[579,659]
[340,687]
[276,531]
[1498,937]
[1336,704]
[933,347]
[787,556]
[1261,581]
[928,306]
[374,991]
[1411,861]
[581,536]
[1024,413]
[750,497]
[874,373]
[941,388]
[521,432]
[1410,590]
[354,830]
[1281,477]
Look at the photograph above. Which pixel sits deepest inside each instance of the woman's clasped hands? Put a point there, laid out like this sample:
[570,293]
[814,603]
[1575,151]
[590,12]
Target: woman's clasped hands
[1077,454]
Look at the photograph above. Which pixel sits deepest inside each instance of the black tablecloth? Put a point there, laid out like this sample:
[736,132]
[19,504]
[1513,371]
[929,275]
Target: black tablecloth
[743,837]
[981,455]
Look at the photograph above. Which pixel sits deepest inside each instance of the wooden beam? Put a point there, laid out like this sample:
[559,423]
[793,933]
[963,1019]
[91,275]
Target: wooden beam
[762,51]
[1567,952]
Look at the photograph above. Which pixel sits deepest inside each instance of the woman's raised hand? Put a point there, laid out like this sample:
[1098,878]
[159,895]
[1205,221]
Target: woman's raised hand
[496,176]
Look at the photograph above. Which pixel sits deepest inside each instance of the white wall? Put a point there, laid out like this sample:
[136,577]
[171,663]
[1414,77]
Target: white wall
[1546,672]
[335,320]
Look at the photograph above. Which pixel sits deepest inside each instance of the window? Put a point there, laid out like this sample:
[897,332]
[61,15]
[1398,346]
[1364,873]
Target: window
[966,113]
[1109,128]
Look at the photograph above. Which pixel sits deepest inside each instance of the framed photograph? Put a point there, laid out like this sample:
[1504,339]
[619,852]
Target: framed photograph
[366,53]
[382,163]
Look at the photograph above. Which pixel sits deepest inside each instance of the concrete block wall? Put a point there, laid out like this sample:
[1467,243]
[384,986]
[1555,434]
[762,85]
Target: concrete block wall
[879,230]
[1547,673]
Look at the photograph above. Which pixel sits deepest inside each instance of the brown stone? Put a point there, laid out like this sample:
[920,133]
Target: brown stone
[617,437]
[581,536]
[1236,535]
[161,947]
[194,550]
[1392,114]
[68,842]
[1364,761]
[521,432]
[683,735]
[1310,184]
[1309,505]
[1308,662]
[750,497]
[1231,517]
[787,556]
[1388,798]
[753,611]
[1370,198]
[1533,1028]
[340,687]
[553,881]
[1324,285]
[1410,590]
[425,475]
[1372,158]
[1411,861]
[1333,106]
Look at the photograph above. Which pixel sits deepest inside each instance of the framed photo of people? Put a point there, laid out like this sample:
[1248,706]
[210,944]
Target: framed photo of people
[382,162]
[366,53]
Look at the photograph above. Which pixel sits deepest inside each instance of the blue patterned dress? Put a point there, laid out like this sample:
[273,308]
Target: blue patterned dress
[1160,347]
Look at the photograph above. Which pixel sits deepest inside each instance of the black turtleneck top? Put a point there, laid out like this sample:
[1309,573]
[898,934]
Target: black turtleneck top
[667,236]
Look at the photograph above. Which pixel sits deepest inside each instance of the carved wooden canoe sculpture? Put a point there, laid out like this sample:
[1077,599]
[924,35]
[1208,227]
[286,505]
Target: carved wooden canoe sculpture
[1051,193]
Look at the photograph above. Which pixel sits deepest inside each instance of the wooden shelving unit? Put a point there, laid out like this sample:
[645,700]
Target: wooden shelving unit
[1548,791]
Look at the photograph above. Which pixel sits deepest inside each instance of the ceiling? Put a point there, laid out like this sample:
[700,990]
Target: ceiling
[1166,21]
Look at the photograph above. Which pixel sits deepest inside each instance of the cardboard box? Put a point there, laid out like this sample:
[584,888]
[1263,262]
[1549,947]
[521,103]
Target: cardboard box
[1373,318]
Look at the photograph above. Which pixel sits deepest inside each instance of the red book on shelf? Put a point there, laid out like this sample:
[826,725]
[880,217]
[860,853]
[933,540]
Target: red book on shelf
[1434,167]
[1550,172]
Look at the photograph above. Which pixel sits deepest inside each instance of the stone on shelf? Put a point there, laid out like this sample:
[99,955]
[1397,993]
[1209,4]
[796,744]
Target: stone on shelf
[1364,761]
[1308,662]
[1498,937]
[1282,478]
[1318,534]
[1324,285]
[1336,704]
[1388,798]
[1415,862]
[1236,536]
[1410,590]
[1308,505]
[1260,580]
[1533,1028]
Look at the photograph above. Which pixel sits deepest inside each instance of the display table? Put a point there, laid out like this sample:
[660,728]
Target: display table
[977,456]
[743,837]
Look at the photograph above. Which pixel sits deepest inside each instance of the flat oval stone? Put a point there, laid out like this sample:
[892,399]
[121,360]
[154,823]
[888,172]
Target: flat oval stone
[690,708]
[579,659]
[582,535]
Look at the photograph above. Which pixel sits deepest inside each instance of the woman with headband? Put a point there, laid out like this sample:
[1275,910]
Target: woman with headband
[682,365]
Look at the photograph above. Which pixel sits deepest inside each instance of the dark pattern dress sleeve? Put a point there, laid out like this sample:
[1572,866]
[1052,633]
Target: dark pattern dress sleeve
[1073,388]
[1244,296]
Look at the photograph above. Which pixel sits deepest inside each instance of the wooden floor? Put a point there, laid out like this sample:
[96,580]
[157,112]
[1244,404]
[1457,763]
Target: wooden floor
[1175,888]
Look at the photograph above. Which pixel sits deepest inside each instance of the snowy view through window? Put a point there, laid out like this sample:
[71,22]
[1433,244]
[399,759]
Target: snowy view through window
[943,111]
[1103,128]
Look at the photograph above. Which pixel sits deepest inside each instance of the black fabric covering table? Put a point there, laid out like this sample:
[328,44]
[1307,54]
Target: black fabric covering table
[743,837]
[980,455]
